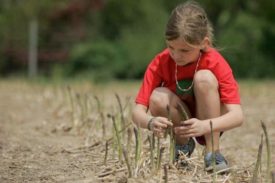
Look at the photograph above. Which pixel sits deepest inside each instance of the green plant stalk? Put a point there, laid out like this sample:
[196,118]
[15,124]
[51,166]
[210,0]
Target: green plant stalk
[172,146]
[169,119]
[121,112]
[106,152]
[125,154]
[85,106]
[78,97]
[88,104]
[114,144]
[153,141]
[158,153]
[172,138]
[213,162]
[111,138]
[182,111]
[165,173]
[138,146]
[129,138]
[150,137]
[118,139]
[72,104]
[119,127]
[167,131]
[258,162]
[268,152]
[128,99]
[160,156]
[99,110]
[103,124]
[139,140]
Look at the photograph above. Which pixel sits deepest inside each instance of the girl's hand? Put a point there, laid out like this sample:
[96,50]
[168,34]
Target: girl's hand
[159,125]
[192,128]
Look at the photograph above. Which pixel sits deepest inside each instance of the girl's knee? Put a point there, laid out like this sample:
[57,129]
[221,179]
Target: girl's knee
[205,80]
[159,98]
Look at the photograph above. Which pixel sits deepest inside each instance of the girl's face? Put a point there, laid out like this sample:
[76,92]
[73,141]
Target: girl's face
[183,53]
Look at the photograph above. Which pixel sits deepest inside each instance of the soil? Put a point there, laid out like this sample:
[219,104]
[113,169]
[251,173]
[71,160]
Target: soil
[39,141]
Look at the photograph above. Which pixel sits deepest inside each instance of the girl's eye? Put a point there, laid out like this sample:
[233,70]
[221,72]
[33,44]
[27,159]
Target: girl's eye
[171,48]
[184,51]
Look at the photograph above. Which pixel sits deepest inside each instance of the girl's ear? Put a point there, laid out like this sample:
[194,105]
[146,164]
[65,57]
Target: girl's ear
[205,44]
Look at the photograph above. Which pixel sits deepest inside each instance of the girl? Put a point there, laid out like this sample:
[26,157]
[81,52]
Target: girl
[193,73]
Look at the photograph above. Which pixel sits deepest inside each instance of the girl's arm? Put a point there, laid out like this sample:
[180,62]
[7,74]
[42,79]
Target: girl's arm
[141,119]
[140,116]
[195,127]
[231,119]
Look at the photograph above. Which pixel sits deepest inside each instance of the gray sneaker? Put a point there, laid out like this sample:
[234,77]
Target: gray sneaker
[221,163]
[186,149]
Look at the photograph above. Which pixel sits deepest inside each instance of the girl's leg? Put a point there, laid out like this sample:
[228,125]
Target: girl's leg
[208,103]
[159,100]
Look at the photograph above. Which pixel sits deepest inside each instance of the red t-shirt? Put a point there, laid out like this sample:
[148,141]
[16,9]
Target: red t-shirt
[161,72]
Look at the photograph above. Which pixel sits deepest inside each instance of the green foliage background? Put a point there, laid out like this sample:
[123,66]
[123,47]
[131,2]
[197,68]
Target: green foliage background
[121,37]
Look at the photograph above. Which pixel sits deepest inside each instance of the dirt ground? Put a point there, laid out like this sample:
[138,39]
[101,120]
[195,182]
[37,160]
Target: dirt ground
[40,143]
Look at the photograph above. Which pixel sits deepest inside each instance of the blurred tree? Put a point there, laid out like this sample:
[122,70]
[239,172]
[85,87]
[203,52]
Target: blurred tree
[20,27]
[85,36]
[34,10]
[137,28]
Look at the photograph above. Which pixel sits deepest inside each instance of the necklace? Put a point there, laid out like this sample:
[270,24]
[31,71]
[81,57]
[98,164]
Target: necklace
[176,73]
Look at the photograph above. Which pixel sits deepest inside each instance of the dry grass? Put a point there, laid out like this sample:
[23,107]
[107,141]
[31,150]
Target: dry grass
[80,114]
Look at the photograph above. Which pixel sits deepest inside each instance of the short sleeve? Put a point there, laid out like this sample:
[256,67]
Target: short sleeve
[229,90]
[151,80]
[228,87]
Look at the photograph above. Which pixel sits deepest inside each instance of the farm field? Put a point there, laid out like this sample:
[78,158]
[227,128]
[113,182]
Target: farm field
[58,133]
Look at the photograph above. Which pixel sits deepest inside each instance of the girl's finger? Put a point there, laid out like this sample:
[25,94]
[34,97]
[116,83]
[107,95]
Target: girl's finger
[158,130]
[166,122]
[160,124]
[186,136]
[187,122]
[181,129]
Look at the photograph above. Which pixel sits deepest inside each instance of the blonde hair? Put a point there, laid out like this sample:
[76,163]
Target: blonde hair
[189,22]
